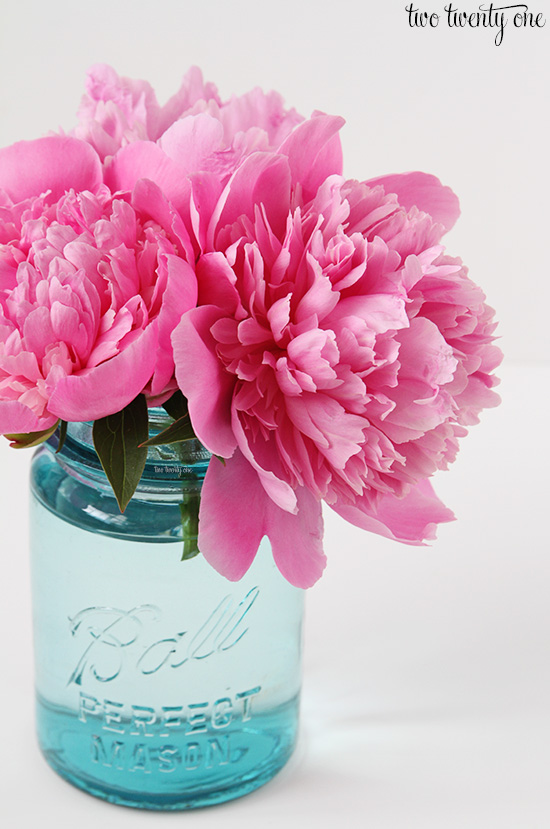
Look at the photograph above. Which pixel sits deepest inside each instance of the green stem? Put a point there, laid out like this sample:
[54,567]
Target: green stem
[189,509]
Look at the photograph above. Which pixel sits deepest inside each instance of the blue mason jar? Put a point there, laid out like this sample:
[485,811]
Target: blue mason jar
[160,684]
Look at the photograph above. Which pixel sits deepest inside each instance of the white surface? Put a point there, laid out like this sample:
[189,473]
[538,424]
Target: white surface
[427,671]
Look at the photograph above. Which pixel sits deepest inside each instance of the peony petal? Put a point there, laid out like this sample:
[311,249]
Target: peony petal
[191,141]
[410,520]
[231,516]
[423,191]
[278,490]
[424,354]
[110,386]
[204,381]
[55,163]
[143,159]
[149,199]
[236,513]
[262,179]
[297,540]
[216,284]
[257,110]
[192,90]
[180,295]
[16,418]
[314,152]
[206,189]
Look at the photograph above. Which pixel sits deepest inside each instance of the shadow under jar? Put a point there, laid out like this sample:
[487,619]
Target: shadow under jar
[160,684]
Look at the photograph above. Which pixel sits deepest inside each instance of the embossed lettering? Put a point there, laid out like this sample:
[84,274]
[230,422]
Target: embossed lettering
[197,722]
[113,715]
[169,757]
[246,697]
[222,712]
[140,759]
[168,718]
[220,632]
[111,632]
[157,655]
[145,722]
[99,755]
[217,752]
[193,756]
[142,716]
[113,639]
[89,706]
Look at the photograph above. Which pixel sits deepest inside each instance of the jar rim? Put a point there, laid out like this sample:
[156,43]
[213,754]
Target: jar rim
[186,461]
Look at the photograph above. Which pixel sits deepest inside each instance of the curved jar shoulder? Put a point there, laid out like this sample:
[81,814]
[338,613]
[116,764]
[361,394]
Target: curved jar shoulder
[72,484]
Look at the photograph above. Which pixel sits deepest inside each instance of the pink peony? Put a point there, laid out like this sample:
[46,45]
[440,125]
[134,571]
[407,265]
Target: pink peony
[91,288]
[329,349]
[336,354]
[195,131]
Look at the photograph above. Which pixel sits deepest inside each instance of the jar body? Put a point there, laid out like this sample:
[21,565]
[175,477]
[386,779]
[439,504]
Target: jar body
[160,684]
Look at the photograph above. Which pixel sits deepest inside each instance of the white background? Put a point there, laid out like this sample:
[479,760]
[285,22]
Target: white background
[427,670]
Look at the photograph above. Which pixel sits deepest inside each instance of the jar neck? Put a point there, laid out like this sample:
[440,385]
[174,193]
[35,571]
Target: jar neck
[167,466]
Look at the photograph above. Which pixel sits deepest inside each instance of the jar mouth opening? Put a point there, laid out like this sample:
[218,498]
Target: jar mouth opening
[185,461]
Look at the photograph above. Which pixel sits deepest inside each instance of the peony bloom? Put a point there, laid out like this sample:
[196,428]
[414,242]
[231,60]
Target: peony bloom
[194,132]
[339,355]
[329,349]
[91,288]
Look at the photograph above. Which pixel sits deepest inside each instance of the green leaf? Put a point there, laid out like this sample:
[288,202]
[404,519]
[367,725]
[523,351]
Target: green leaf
[26,440]
[177,432]
[176,406]
[118,441]
[62,436]
[189,509]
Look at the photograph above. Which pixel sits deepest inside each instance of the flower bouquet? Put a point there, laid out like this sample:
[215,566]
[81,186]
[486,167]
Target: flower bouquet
[199,308]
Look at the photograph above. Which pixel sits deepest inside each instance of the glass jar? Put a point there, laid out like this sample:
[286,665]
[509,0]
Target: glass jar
[160,684]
